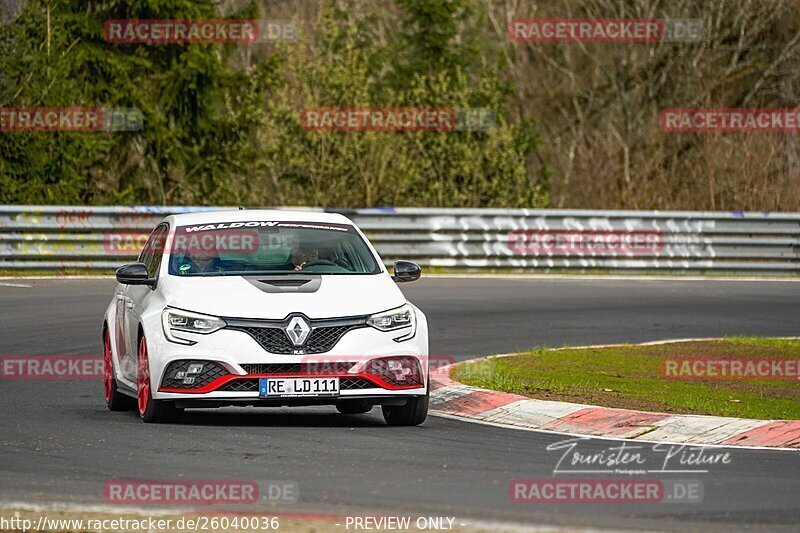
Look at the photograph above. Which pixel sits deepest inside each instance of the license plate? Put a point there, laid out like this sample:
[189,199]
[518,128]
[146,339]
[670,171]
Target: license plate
[283,387]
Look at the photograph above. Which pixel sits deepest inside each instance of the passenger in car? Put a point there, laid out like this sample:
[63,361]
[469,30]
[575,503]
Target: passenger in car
[302,256]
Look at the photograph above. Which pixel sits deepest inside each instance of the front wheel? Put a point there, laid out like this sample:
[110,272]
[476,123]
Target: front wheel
[151,410]
[413,413]
[115,400]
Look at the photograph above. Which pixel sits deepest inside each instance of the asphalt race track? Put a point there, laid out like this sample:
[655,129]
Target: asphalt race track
[61,444]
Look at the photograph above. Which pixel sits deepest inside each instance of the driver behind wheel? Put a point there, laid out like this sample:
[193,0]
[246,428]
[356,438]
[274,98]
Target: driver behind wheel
[202,262]
[303,256]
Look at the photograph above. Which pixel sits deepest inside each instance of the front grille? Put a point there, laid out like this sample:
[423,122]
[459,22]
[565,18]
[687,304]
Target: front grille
[356,384]
[298,368]
[274,339]
[210,372]
[323,339]
[251,384]
[241,385]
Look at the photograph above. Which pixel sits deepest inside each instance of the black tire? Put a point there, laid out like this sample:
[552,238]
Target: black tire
[161,411]
[119,401]
[354,407]
[413,413]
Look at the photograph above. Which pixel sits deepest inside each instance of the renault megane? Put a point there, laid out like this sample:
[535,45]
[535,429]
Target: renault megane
[264,308]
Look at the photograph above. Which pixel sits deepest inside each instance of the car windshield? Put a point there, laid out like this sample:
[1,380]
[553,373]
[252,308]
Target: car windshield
[269,248]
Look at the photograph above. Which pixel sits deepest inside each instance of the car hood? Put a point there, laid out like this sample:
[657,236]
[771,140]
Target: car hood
[326,296]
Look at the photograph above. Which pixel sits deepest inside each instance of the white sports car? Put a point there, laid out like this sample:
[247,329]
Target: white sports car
[265,308]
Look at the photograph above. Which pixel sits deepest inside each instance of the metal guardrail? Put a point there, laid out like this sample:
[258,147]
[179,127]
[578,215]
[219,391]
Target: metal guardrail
[54,237]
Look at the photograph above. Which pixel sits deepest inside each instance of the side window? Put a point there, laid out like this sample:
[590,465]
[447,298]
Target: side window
[146,255]
[158,251]
[154,249]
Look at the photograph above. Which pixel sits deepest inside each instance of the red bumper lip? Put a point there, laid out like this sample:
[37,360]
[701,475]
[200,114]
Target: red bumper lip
[222,380]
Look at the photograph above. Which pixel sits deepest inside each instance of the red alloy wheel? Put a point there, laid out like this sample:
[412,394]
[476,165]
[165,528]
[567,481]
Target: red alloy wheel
[143,378]
[108,372]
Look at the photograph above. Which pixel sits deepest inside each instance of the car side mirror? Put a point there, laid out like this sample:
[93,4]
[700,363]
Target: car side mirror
[406,271]
[134,274]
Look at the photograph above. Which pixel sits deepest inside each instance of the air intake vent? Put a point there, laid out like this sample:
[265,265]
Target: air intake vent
[285,282]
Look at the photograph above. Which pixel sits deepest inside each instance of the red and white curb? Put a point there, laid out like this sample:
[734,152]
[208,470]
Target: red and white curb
[453,399]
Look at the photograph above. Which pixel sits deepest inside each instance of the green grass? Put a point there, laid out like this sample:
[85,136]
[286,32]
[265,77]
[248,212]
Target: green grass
[630,377]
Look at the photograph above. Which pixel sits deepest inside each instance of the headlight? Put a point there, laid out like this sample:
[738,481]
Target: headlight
[177,320]
[402,317]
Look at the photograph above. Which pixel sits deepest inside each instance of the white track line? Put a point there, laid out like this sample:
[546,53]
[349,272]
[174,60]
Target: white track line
[45,278]
[21,285]
[89,508]
[615,439]
[610,277]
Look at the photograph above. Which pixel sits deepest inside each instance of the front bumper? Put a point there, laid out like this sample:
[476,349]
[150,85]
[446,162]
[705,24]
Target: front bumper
[355,377]
[241,361]
[374,399]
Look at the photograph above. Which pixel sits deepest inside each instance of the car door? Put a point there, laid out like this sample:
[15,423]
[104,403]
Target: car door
[120,344]
[137,296]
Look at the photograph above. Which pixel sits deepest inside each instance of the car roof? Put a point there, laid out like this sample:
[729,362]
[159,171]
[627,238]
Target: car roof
[254,215]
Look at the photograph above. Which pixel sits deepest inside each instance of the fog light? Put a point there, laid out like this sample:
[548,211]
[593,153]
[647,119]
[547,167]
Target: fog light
[188,381]
[180,374]
[195,369]
[399,370]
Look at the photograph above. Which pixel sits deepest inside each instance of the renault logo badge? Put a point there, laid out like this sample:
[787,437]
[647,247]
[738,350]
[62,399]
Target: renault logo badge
[297,330]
